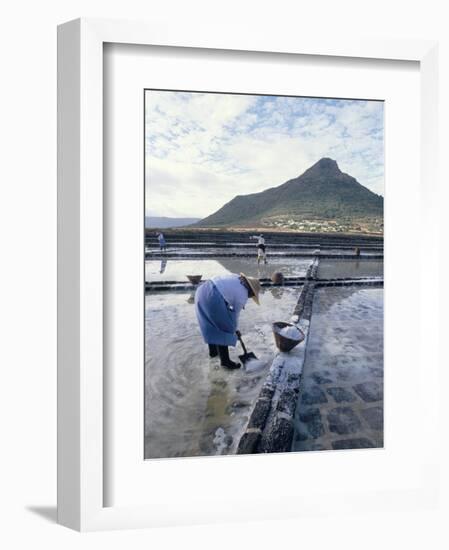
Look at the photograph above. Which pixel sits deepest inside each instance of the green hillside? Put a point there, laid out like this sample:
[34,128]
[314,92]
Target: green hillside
[321,196]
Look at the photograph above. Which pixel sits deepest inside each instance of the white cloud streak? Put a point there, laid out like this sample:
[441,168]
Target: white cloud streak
[203,149]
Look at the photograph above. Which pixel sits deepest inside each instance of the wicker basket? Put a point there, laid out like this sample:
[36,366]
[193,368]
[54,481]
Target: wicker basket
[194,279]
[285,344]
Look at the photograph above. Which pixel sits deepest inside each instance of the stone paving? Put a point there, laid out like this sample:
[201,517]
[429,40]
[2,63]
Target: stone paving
[366,267]
[340,404]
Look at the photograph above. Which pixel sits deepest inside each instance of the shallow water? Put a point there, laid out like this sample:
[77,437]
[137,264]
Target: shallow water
[329,269]
[341,398]
[177,270]
[193,406]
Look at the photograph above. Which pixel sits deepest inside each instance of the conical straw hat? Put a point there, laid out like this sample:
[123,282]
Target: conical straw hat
[254,285]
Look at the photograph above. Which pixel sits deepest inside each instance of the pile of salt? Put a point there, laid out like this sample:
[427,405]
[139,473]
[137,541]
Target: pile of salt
[253,365]
[290,332]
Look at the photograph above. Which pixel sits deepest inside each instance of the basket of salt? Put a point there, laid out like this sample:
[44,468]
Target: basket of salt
[287,336]
[194,279]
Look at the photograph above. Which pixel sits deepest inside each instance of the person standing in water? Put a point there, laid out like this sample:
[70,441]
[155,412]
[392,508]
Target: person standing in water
[261,248]
[218,303]
[161,239]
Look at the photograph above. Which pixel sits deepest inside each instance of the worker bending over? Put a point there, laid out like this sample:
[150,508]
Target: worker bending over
[218,303]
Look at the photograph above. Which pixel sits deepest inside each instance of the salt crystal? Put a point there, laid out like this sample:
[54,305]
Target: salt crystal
[220,440]
[253,365]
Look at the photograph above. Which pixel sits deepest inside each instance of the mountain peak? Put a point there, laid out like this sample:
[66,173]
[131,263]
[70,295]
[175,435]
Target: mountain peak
[325,165]
[323,193]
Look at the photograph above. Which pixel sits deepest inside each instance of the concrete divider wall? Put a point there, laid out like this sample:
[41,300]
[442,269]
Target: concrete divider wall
[189,256]
[158,286]
[272,237]
[270,426]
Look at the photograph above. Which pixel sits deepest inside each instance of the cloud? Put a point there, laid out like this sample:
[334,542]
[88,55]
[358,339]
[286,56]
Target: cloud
[203,149]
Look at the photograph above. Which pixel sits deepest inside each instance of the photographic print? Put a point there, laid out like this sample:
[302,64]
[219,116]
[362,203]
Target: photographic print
[263,273]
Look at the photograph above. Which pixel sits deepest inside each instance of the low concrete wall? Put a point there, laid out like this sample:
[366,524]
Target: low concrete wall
[189,256]
[366,281]
[272,237]
[270,426]
[288,281]
[181,285]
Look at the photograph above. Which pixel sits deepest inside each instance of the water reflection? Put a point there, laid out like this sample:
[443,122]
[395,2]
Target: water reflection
[177,270]
[191,298]
[277,292]
[163,265]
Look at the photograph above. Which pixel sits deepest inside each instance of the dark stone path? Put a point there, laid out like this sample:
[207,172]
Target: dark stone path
[340,403]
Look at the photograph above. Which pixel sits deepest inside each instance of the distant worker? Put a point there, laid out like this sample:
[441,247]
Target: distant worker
[161,239]
[218,303]
[357,251]
[261,248]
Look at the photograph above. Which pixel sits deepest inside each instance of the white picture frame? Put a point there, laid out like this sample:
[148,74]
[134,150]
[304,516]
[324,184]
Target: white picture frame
[81,489]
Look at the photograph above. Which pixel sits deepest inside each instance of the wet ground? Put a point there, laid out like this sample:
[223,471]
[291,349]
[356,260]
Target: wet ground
[177,270]
[193,406]
[341,398]
[331,269]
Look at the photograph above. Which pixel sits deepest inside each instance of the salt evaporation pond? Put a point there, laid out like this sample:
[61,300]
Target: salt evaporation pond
[193,406]
[176,270]
[331,269]
[340,402]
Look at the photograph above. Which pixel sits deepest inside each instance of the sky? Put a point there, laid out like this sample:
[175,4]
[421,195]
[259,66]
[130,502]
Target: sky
[203,149]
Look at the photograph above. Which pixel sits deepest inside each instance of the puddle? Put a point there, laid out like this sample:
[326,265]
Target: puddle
[193,406]
[176,270]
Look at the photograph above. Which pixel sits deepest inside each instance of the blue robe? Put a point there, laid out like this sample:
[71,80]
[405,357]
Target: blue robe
[217,321]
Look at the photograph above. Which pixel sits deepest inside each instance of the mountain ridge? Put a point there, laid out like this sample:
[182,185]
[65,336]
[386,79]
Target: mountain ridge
[321,193]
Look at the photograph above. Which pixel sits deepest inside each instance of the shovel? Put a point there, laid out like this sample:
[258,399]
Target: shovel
[246,356]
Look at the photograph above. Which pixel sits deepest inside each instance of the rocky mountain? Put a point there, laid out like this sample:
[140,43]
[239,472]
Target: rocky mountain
[322,197]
